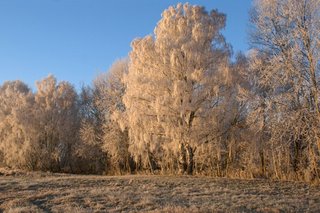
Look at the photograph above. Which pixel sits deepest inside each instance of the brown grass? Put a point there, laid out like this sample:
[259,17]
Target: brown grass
[44,192]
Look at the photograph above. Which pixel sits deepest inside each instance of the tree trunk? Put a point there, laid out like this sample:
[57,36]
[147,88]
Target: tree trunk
[190,159]
[182,159]
[263,163]
[150,162]
[186,159]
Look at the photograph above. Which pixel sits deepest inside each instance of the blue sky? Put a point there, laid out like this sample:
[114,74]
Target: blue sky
[77,39]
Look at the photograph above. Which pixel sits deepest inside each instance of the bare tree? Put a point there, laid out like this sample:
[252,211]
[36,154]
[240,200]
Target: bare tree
[286,62]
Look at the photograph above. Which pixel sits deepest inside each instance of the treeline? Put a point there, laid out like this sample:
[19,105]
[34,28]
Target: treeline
[56,129]
[180,105]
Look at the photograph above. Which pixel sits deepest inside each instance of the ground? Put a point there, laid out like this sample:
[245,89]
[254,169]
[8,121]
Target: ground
[45,192]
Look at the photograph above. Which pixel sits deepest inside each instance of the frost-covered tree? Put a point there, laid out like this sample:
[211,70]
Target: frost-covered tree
[15,140]
[231,130]
[104,144]
[286,59]
[89,153]
[111,88]
[38,130]
[56,122]
[173,85]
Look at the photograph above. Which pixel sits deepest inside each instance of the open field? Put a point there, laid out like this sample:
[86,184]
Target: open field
[42,192]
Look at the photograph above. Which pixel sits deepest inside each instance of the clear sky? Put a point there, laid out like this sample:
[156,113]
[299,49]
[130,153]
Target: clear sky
[77,39]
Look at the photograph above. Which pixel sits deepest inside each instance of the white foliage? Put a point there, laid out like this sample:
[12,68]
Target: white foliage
[174,76]
[16,103]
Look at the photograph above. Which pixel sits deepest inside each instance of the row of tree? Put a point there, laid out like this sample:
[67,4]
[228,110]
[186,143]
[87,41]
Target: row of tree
[56,129]
[178,104]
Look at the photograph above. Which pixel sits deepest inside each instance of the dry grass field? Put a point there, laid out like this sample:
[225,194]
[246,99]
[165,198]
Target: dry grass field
[44,192]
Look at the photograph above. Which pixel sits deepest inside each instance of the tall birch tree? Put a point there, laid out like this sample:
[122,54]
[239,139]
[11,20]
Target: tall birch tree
[173,83]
